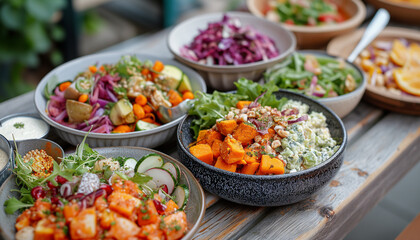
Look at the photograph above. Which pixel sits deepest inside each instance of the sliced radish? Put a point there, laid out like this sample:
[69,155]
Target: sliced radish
[149,161]
[151,184]
[181,194]
[130,163]
[173,169]
[162,177]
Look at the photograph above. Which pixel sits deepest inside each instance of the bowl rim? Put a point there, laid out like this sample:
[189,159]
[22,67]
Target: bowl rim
[402,5]
[25,114]
[49,121]
[355,20]
[360,88]
[202,203]
[31,140]
[340,150]
[231,68]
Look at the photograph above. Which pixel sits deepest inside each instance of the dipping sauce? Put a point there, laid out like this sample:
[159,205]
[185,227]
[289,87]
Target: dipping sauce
[23,128]
[3,159]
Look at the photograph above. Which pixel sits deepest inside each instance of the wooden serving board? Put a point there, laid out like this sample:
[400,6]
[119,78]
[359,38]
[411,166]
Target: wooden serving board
[381,97]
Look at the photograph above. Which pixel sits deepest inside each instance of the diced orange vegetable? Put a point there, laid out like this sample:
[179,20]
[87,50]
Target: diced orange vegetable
[174,97]
[141,100]
[271,165]
[171,207]
[138,111]
[41,210]
[213,135]
[202,152]
[123,203]
[84,225]
[122,129]
[187,95]
[226,127]
[145,71]
[83,98]
[70,211]
[151,116]
[217,144]
[44,230]
[147,214]
[242,104]
[251,155]
[175,225]
[107,219]
[151,231]
[128,187]
[63,86]
[147,109]
[102,68]
[101,204]
[231,150]
[158,67]
[59,232]
[202,136]
[149,120]
[245,133]
[250,168]
[220,163]
[23,220]
[93,69]
[123,229]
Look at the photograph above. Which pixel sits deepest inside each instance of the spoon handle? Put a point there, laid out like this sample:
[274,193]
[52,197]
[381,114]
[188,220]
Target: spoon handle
[378,23]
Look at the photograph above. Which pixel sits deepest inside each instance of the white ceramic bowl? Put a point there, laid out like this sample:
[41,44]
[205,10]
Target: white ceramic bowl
[148,138]
[223,77]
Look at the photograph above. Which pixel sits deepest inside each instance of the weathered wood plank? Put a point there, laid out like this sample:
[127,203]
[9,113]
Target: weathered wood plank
[372,166]
[20,104]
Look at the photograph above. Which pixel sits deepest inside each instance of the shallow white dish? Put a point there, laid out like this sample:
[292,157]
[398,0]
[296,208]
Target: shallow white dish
[148,138]
[223,77]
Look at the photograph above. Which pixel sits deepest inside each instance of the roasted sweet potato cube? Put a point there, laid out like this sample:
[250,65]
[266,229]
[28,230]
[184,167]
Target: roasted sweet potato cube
[242,104]
[202,152]
[250,168]
[245,133]
[202,136]
[231,150]
[271,165]
[123,203]
[251,155]
[220,163]
[217,144]
[226,127]
[212,136]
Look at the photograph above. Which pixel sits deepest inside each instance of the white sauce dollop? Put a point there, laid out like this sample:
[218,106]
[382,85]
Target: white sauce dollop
[23,128]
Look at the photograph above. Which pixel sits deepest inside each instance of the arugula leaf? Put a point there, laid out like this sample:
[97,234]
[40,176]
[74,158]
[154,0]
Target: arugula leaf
[140,178]
[11,205]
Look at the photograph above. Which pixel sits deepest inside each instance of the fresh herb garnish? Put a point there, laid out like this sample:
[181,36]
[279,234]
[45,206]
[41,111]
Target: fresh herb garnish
[19,125]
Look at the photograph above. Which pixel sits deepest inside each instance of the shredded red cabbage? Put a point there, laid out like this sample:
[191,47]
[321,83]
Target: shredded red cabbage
[227,42]
[300,119]
[262,126]
[290,111]
[255,103]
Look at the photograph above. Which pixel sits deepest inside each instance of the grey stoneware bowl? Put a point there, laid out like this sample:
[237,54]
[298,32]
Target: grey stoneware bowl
[266,190]
[195,207]
[344,104]
[8,149]
[52,148]
[223,77]
[148,138]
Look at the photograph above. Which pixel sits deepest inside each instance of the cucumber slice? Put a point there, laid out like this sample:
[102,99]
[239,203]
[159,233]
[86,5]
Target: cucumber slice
[162,177]
[184,85]
[173,169]
[181,194]
[173,76]
[147,162]
[142,125]
[130,163]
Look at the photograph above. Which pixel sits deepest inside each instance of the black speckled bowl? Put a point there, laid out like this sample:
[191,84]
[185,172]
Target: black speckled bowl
[272,190]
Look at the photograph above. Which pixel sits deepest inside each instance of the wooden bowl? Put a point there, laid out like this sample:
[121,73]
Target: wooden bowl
[402,12]
[381,97]
[318,36]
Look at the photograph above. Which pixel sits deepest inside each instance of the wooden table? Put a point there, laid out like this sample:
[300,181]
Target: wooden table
[383,147]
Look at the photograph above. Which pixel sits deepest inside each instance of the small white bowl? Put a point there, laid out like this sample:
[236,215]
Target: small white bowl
[147,138]
[40,133]
[223,77]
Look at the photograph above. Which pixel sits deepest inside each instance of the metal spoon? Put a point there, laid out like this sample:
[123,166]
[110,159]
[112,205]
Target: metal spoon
[378,23]
[169,114]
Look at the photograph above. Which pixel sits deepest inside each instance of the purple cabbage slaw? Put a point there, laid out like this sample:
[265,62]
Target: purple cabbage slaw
[102,94]
[227,42]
